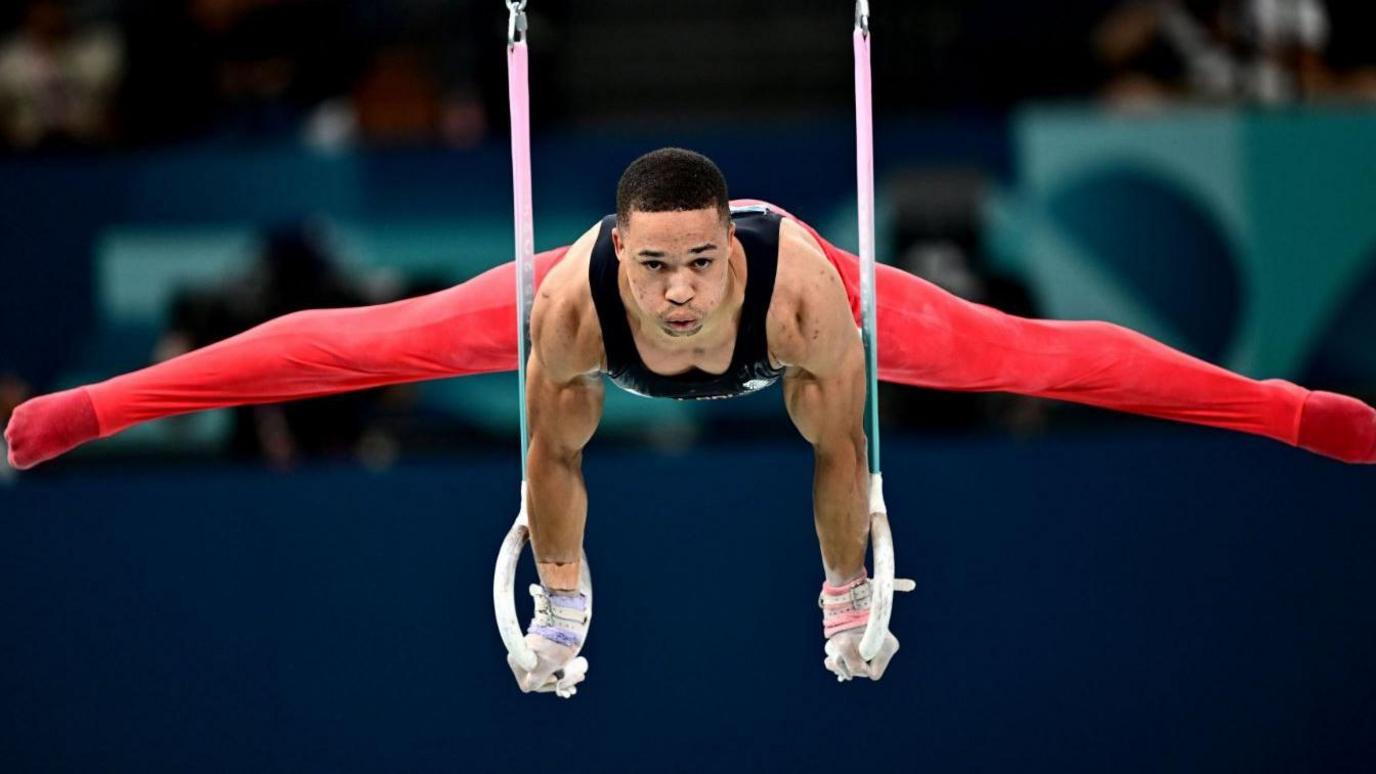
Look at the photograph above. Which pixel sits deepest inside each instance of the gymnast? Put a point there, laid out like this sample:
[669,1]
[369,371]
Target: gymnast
[683,293]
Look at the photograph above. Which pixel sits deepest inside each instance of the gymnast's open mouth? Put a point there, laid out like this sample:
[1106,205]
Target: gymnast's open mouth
[683,327]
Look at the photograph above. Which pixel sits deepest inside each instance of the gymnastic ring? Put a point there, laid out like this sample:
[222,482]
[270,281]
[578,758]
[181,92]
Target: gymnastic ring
[883,584]
[504,588]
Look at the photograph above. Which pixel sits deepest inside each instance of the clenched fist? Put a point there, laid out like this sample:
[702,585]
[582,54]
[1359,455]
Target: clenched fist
[843,656]
[559,668]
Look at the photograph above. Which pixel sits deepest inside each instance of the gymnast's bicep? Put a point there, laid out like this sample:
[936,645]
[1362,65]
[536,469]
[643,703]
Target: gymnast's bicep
[563,414]
[824,389]
[563,387]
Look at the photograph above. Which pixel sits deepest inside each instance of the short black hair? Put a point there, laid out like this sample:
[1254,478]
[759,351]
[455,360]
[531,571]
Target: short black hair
[671,180]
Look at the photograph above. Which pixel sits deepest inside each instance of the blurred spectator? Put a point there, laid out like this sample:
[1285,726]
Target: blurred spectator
[399,100]
[273,59]
[58,79]
[1265,51]
[242,68]
[295,271]
[434,75]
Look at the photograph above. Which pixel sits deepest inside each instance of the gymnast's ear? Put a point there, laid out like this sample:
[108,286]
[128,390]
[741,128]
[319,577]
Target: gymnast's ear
[617,244]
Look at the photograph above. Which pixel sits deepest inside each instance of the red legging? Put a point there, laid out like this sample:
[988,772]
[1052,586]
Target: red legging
[930,338]
[926,337]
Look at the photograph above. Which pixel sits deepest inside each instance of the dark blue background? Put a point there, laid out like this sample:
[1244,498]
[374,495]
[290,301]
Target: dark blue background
[1173,599]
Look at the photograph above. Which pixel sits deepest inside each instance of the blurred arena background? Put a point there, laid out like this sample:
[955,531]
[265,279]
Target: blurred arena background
[303,587]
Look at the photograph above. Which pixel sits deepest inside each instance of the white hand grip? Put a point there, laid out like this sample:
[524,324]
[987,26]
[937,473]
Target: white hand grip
[564,682]
[883,584]
[504,589]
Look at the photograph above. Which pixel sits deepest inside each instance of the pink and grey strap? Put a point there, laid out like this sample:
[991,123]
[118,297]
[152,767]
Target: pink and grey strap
[846,606]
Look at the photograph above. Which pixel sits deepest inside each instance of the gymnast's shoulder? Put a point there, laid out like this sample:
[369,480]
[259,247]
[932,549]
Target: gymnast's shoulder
[809,314]
[564,331]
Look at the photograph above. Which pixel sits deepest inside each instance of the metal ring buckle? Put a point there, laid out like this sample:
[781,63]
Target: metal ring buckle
[516,22]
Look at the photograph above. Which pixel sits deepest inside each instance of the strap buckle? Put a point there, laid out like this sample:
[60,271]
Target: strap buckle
[856,598]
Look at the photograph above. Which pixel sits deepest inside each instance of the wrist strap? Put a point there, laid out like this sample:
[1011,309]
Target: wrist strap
[559,617]
[845,607]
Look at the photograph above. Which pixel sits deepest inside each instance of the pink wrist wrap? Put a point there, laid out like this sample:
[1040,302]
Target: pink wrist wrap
[845,607]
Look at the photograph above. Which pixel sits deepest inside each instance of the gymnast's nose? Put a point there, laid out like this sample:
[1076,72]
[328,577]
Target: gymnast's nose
[679,292]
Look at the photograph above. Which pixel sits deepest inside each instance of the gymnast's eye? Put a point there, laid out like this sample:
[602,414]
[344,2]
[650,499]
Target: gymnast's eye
[702,263]
[652,265]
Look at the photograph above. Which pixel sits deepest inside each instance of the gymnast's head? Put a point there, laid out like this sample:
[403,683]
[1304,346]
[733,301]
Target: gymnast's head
[673,237]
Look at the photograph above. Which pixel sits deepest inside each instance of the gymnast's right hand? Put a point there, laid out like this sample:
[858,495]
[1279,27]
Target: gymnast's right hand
[555,636]
[49,425]
[558,671]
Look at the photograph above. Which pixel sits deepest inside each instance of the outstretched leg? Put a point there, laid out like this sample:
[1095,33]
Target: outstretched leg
[467,329]
[930,338]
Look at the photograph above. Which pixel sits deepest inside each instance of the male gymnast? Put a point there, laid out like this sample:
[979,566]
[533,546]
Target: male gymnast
[684,294]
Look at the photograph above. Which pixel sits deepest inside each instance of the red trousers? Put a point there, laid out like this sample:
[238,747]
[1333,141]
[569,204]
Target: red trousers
[926,337]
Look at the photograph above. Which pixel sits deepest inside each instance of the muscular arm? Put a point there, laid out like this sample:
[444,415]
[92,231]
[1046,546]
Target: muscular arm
[824,389]
[564,404]
[563,416]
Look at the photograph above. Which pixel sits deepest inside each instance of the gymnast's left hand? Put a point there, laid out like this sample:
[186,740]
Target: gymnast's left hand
[843,656]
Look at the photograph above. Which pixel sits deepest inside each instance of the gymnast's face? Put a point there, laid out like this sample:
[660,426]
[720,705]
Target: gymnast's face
[676,265]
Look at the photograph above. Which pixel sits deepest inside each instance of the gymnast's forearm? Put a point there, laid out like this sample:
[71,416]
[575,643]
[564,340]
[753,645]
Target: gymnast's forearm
[563,414]
[558,512]
[828,413]
[840,499]
[930,338]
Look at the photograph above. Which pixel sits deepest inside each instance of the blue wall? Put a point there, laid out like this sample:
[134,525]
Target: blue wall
[1177,599]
